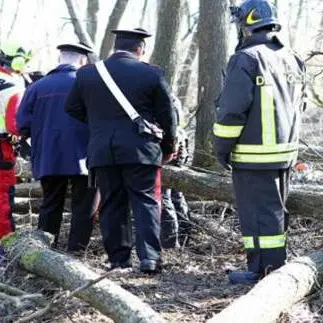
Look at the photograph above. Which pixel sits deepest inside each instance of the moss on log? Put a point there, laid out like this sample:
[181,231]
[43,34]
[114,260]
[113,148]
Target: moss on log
[31,250]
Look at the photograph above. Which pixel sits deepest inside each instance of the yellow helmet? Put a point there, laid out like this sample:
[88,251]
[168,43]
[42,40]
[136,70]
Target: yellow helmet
[15,55]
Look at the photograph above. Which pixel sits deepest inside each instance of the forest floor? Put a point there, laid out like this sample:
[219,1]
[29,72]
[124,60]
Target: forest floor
[193,285]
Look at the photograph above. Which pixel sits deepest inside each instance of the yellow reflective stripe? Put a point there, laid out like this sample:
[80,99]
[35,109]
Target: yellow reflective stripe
[260,149]
[270,242]
[248,242]
[264,158]
[268,115]
[2,124]
[223,131]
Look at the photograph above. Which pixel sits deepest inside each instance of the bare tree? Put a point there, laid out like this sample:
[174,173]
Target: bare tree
[212,35]
[298,18]
[14,20]
[92,19]
[168,27]
[143,13]
[113,23]
[79,28]
[186,71]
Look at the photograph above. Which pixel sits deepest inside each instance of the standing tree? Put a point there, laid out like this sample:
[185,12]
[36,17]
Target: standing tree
[212,35]
[92,19]
[168,28]
[113,23]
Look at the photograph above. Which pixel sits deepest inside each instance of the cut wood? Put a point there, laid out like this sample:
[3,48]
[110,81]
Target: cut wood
[304,199]
[276,293]
[31,251]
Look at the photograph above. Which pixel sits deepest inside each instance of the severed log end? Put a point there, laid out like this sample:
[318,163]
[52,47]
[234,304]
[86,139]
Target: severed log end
[275,293]
[30,249]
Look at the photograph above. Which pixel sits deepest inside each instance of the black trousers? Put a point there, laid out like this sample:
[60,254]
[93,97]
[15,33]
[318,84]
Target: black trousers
[51,211]
[130,186]
[261,198]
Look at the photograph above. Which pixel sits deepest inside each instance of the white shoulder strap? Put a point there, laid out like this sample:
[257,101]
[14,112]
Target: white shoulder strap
[115,90]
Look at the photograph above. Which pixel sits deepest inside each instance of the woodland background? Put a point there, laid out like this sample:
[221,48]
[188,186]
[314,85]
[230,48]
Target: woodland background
[192,41]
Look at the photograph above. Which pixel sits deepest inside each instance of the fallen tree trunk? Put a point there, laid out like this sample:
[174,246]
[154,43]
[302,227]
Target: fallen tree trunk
[31,250]
[276,293]
[304,199]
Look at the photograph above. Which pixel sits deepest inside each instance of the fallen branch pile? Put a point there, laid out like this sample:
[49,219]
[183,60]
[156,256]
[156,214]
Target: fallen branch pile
[276,293]
[31,251]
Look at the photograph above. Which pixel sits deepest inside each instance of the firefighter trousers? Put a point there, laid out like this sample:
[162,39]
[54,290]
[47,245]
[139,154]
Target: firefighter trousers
[124,187]
[51,211]
[261,203]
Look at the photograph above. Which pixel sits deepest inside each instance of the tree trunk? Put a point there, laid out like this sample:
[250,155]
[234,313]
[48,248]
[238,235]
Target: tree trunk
[276,293]
[168,28]
[92,19]
[212,61]
[31,250]
[113,23]
[79,29]
[183,82]
[143,14]
[305,200]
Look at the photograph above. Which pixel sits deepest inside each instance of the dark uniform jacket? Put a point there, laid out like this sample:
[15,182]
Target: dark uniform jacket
[59,142]
[258,118]
[114,139]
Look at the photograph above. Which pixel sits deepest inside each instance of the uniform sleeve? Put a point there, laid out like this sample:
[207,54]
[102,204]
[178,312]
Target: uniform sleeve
[235,101]
[165,114]
[74,105]
[25,112]
[12,110]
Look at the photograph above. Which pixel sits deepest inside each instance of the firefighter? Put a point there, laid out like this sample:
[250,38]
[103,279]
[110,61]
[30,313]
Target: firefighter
[13,59]
[59,147]
[257,131]
[175,224]
[125,153]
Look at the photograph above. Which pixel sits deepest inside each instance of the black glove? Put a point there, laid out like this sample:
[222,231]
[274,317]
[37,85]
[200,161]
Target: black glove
[224,160]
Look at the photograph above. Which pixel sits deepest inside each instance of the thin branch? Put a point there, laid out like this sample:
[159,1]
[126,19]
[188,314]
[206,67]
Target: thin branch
[14,19]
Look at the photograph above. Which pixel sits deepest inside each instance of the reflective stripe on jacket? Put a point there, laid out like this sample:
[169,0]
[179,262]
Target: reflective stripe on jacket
[258,117]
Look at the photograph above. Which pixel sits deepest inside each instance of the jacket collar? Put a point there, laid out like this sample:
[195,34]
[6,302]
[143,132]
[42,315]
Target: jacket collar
[63,68]
[259,38]
[123,54]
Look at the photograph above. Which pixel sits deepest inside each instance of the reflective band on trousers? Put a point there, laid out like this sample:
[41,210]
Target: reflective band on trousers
[2,124]
[268,122]
[266,242]
[261,149]
[223,131]
[264,158]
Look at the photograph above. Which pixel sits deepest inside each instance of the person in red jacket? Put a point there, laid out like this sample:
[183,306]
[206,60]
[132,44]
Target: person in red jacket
[13,59]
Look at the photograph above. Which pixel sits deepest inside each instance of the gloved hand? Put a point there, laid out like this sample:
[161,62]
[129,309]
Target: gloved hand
[224,160]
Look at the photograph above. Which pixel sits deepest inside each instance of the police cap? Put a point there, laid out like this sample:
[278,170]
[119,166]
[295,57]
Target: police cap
[137,33]
[77,48]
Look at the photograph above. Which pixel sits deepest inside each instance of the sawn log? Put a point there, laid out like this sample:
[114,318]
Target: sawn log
[276,293]
[305,199]
[31,250]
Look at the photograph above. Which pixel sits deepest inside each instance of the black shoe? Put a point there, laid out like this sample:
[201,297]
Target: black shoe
[150,267]
[121,264]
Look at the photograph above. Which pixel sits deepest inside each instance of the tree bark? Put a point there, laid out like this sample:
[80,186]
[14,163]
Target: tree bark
[305,200]
[183,82]
[168,29]
[113,23]
[276,293]
[92,19]
[79,28]
[31,251]
[212,61]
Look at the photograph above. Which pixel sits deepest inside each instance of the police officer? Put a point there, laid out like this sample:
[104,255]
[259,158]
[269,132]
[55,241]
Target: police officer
[127,163]
[257,132]
[59,147]
[13,59]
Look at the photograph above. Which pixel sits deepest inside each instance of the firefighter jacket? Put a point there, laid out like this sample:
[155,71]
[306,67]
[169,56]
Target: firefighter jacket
[258,117]
[11,91]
